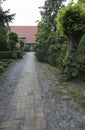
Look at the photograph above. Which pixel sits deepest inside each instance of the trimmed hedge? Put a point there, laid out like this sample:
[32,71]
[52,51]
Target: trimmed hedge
[1,68]
[5,54]
[11,55]
[19,54]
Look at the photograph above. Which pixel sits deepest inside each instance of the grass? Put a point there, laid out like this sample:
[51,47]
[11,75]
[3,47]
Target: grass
[4,64]
[79,97]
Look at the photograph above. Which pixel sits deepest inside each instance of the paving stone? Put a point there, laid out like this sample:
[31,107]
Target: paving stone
[32,113]
[20,105]
[38,124]
[19,114]
[15,126]
[29,122]
[38,102]
[40,114]
[28,128]
[39,109]
[5,129]
[5,124]
[43,123]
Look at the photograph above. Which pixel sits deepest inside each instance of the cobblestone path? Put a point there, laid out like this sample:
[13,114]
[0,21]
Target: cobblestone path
[24,109]
[32,98]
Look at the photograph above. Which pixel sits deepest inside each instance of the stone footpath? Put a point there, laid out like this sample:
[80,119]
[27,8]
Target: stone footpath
[32,98]
[24,110]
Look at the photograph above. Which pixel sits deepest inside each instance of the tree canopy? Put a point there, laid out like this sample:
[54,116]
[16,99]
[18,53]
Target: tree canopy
[71,20]
[12,40]
[5,17]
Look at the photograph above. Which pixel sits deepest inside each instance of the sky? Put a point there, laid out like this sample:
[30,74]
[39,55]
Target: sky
[27,11]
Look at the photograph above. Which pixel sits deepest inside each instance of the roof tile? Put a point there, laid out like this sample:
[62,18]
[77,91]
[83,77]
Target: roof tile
[27,32]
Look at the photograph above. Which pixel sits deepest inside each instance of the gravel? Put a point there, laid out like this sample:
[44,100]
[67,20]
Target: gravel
[62,112]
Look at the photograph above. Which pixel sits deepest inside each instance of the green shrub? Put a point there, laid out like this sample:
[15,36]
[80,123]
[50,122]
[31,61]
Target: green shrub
[11,55]
[5,65]
[14,55]
[1,63]
[17,48]
[53,52]
[34,47]
[22,43]
[26,48]
[42,52]
[12,40]
[3,39]
[8,61]
[1,68]
[19,54]
[81,46]
[5,55]
[77,67]
[81,55]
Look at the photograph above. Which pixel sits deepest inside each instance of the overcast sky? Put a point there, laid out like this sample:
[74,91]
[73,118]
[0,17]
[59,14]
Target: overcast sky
[27,11]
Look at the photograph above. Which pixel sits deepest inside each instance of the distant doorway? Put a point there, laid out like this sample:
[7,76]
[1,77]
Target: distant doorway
[30,47]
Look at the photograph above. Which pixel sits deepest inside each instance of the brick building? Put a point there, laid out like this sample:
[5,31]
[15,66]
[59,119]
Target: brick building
[27,33]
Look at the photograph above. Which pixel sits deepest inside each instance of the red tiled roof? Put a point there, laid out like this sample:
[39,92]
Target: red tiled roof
[27,32]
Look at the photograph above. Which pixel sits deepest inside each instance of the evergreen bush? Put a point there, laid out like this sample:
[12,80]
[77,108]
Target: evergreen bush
[1,68]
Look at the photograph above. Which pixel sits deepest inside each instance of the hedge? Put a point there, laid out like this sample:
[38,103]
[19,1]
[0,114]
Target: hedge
[11,55]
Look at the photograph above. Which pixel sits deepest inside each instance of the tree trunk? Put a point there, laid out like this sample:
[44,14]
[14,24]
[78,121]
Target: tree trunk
[73,42]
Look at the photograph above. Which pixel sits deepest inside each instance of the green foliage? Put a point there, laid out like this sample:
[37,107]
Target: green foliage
[3,39]
[67,60]
[71,20]
[4,64]
[1,68]
[53,47]
[81,55]
[5,17]
[11,54]
[53,52]
[81,1]
[75,70]
[21,44]
[81,46]
[43,39]
[77,67]
[5,55]
[42,52]
[12,40]
[57,52]
[26,48]
[19,54]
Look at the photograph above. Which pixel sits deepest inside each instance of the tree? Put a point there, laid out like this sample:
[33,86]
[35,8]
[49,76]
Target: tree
[3,39]
[5,17]
[50,9]
[71,22]
[43,33]
[81,1]
[47,29]
[2,1]
[21,44]
[12,40]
